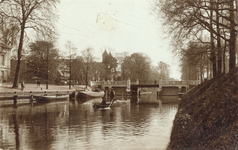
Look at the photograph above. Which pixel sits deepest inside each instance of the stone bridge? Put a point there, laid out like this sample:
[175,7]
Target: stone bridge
[128,85]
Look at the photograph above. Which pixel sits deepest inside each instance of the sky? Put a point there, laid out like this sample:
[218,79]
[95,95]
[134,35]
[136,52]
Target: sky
[118,26]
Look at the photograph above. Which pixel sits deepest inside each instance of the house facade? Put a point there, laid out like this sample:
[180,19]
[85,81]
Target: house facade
[5,63]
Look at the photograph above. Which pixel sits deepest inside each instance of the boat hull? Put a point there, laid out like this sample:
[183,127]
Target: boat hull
[52,98]
[101,106]
[89,94]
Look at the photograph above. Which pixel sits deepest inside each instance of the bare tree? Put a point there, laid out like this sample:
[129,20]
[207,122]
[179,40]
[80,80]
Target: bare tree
[164,70]
[219,54]
[193,61]
[70,55]
[213,52]
[9,31]
[232,40]
[88,63]
[35,14]
[188,19]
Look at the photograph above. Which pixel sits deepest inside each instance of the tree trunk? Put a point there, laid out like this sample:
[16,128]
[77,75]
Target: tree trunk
[201,69]
[86,76]
[70,70]
[211,72]
[19,51]
[224,59]
[218,41]
[232,41]
[213,54]
[207,68]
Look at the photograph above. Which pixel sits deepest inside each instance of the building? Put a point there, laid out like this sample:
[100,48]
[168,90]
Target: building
[5,62]
[110,66]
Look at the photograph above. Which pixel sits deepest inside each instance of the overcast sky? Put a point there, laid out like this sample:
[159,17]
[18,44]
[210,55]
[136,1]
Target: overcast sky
[125,25]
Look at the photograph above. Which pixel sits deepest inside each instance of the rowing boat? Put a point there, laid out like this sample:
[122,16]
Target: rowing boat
[51,97]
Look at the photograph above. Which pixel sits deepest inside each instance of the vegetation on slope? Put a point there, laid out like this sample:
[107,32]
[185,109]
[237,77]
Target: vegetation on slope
[207,116]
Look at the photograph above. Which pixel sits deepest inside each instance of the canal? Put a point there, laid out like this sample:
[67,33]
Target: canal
[77,125]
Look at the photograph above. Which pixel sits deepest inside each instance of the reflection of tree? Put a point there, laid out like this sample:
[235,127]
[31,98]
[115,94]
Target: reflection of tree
[39,132]
[106,118]
[16,130]
[42,121]
[44,126]
[82,117]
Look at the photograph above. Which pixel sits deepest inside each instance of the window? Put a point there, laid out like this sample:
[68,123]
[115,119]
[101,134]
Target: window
[2,75]
[3,60]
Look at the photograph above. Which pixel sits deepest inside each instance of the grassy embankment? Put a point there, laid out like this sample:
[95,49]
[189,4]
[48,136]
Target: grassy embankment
[207,116]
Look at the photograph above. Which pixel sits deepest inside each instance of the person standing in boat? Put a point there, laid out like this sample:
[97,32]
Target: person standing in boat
[103,101]
[112,94]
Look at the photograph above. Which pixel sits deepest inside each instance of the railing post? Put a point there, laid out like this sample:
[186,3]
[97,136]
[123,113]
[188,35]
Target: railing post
[15,100]
[157,93]
[31,97]
[137,81]
[128,83]
[105,95]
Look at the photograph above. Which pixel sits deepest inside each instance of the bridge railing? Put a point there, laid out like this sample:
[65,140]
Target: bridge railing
[164,82]
[110,82]
[190,82]
[194,82]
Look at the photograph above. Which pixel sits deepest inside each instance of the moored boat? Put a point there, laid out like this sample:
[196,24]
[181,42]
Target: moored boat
[112,103]
[51,97]
[101,105]
[90,94]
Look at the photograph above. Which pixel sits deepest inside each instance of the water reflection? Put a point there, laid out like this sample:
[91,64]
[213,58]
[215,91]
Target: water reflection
[16,129]
[74,124]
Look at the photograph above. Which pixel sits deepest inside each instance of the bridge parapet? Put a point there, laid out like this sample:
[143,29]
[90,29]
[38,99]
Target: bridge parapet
[194,82]
[190,82]
[110,83]
[164,82]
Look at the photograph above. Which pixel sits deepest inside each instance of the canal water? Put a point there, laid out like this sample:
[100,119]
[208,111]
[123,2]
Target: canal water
[77,125]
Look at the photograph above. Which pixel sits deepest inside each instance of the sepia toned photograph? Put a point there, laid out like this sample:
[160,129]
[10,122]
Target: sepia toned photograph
[118,75]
